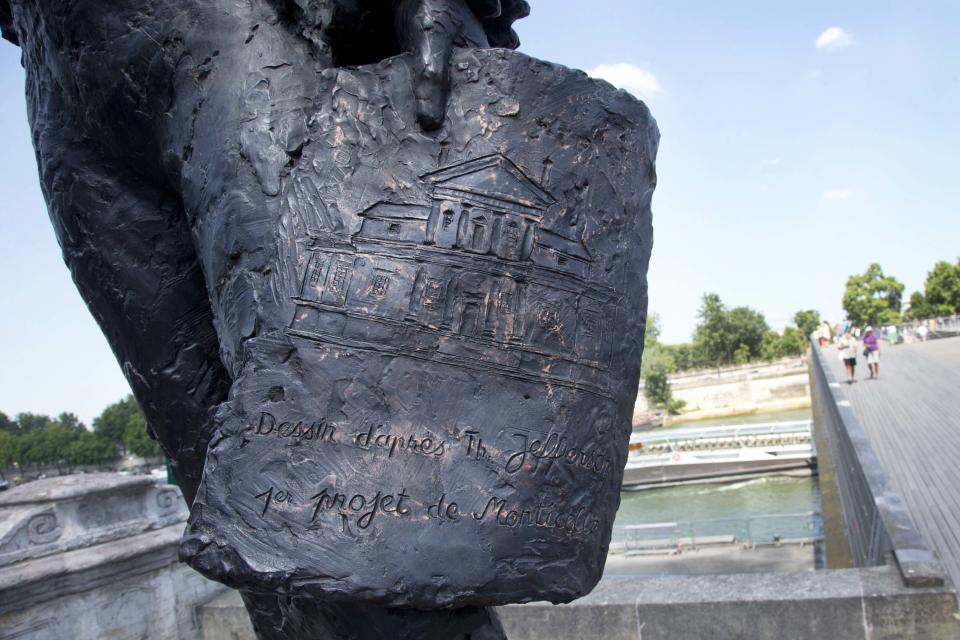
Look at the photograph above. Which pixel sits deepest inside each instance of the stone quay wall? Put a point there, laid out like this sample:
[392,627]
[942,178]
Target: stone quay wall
[93,556]
[740,390]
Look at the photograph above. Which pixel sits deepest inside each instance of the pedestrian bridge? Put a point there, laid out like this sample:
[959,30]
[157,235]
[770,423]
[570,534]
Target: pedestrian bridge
[907,423]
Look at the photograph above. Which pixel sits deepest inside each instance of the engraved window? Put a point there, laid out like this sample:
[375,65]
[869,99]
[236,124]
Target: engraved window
[447,217]
[394,228]
[549,318]
[432,292]
[380,283]
[479,233]
[505,302]
[511,235]
[339,277]
[590,322]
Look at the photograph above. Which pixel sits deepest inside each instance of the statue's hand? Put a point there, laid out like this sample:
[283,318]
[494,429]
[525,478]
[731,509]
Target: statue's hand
[356,32]
[429,29]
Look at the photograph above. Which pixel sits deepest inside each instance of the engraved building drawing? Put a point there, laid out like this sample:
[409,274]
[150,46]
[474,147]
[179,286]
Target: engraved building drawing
[477,278]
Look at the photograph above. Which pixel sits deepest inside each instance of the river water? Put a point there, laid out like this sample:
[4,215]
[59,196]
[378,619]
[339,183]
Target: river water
[758,508]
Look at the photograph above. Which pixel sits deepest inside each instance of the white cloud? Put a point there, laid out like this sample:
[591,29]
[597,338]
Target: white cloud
[837,194]
[629,77]
[833,38]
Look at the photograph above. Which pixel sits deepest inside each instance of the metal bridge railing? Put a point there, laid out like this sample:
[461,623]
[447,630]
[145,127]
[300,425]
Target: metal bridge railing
[876,520]
[921,330]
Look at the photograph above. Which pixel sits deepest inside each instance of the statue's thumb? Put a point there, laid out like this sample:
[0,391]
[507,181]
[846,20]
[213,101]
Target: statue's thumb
[427,29]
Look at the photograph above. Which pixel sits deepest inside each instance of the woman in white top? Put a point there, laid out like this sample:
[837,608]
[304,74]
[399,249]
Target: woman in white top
[847,348]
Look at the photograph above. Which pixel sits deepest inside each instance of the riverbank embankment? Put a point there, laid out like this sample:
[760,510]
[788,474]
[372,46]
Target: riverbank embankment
[736,391]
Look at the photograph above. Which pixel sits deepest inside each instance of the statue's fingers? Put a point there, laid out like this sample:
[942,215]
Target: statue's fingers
[499,28]
[429,29]
[485,9]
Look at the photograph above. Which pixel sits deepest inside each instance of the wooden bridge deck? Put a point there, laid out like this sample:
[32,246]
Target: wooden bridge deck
[912,416]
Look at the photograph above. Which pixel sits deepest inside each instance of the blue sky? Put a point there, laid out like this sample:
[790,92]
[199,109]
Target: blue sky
[800,142]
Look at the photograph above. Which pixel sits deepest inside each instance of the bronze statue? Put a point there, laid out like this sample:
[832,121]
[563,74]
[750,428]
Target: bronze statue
[379,288]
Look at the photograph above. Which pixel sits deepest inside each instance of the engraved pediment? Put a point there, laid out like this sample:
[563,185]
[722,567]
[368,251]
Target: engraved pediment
[491,181]
[392,210]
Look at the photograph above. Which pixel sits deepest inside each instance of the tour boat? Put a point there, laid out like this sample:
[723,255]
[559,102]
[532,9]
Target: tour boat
[648,420]
[710,454]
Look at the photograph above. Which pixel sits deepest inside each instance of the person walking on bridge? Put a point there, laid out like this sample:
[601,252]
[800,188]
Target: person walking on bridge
[872,352]
[847,348]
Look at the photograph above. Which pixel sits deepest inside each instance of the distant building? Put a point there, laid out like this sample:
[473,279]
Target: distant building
[473,278]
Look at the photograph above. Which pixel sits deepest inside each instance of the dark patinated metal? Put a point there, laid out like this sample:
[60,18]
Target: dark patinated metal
[403,300]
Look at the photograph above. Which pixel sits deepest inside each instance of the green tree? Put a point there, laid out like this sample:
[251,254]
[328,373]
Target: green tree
[27,422]
[655,354]
[748,328]
[687,356]
[721,332]
[656,387]
[657,365]
[918,309]
[711,336]
[91,449]
[741,355]
[9,450]
[942,288]
[793,342]
[71,422]
[54,443]
[771,348]
[47,445]
[138,442]
[807,321]
[116,418]
[651,332]
[873,298]
[8,425]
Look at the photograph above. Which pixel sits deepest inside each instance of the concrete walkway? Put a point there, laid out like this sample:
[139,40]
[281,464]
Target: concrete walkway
[912,416]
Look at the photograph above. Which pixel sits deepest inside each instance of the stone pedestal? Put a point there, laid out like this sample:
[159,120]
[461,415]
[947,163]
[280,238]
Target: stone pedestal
[95,556]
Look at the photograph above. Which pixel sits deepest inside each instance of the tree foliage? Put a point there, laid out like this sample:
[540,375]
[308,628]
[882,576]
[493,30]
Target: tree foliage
[658,363]
[138,441]
[687,356]
[91,449]
[942,287]
[117,418]
[27,422]
[941,293]
[34,439]
[792,342]
[725,335]
[742,354]
[7,425]
[918,309]
[807,321]
[71,422]
[656,387]
[873,298]
[656,356]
